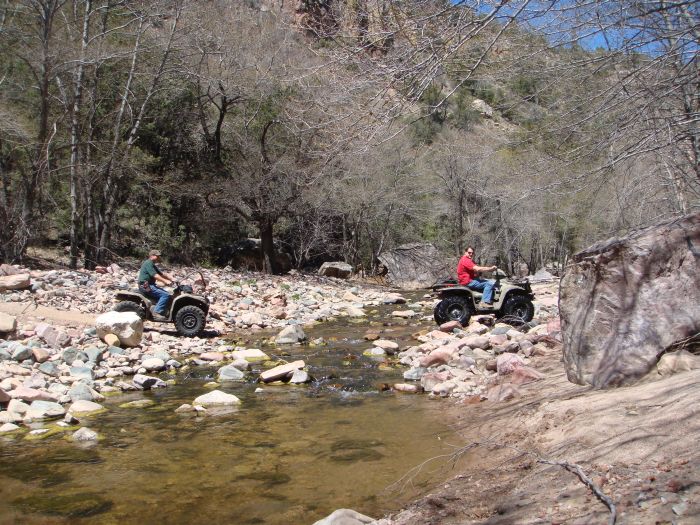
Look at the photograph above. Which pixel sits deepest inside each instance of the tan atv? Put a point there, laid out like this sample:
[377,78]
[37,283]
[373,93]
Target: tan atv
[187,310]
[512,301]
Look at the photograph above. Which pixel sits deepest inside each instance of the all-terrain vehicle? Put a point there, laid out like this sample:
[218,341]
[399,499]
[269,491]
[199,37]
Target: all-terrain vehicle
[512,301]
[186,309]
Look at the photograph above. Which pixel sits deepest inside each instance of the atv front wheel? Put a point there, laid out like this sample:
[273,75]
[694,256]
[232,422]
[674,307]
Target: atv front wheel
[189,320]
[454,308]
[517,309]
[131,306]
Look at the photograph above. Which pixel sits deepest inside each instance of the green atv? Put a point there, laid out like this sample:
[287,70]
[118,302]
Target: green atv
[186,309]
[512,301]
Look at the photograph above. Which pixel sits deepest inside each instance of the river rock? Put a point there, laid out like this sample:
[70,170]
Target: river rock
[94,355]
[216,397]
[281,372]
[345,517]
[85,434]
[144,382]
[503,392]
[250,354]
[290,334]
[83,406]
[80,391]
[353,311]
[449,326]
[31,394]
[405,387]
[4,396]
[435,358]
[299,377]
[390,347]
[405,314]
[8,427]
[523,375]
[50,368]
[230,373]
[21,353]
[153,364]
[40,355]
[340,270]
[211,356]
[44,410]
[127,326]
[624,301]
[19,281]
[112,341]
[8,323]
[507,363]
[414,374]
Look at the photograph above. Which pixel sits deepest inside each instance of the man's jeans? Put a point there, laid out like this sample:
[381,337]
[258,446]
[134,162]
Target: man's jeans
[482,285]
[157,293]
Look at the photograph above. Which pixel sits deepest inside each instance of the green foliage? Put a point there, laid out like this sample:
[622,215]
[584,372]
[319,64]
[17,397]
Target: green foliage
[464,116]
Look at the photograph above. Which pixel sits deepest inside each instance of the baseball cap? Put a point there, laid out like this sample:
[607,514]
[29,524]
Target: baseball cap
[154,252]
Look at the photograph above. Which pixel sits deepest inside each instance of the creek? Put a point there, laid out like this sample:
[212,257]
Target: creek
[287,455]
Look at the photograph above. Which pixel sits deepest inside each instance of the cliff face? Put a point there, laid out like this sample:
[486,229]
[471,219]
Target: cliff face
[367,21]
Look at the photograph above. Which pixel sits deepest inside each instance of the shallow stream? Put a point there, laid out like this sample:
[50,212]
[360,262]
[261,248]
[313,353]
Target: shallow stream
[287,455]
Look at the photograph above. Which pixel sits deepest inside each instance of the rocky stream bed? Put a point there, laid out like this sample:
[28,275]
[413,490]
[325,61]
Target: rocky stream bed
[57,375]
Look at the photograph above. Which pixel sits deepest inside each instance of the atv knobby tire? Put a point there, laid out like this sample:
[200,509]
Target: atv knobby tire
[454,308]
[189,320]
[517,309]
[131,306]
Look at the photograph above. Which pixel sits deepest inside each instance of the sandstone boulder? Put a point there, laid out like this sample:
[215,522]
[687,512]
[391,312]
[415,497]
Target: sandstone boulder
[281,372]
[624,301]
[15,282]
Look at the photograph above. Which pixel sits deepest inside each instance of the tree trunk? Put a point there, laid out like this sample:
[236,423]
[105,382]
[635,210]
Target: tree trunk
[267,246]
[75,139]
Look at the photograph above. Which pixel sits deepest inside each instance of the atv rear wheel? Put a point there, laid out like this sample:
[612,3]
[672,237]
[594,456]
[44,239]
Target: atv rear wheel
[189,320]
[131,306]
[517,309]
[454,308]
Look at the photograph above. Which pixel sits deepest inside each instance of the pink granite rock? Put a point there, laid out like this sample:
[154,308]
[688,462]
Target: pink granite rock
[435,358]
[211,356]
[449,326]
[30,394]
[523,375]
[507,363]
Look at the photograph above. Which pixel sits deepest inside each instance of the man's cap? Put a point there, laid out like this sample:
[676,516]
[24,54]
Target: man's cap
[154,252]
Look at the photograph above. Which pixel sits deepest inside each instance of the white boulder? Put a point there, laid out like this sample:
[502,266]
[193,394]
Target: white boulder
[127,326]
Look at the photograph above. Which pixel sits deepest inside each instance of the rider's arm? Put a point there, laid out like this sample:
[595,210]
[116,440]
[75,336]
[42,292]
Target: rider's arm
[163,278]
[484,268]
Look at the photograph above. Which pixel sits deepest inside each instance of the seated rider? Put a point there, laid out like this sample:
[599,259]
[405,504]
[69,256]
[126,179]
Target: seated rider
[467,276]
[149,274]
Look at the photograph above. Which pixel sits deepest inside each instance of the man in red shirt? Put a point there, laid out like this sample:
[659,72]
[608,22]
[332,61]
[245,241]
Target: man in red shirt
[467,276]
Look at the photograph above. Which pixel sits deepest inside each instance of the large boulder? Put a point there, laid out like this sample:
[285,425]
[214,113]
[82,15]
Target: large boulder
[624,301]
[417,265]
[19,281]
[341,270]
[127,326]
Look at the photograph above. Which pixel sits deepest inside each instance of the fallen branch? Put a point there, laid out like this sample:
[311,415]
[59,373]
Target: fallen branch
[574,468]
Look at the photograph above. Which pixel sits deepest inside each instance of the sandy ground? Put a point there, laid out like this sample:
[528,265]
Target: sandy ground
[636,445]
[25,312]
